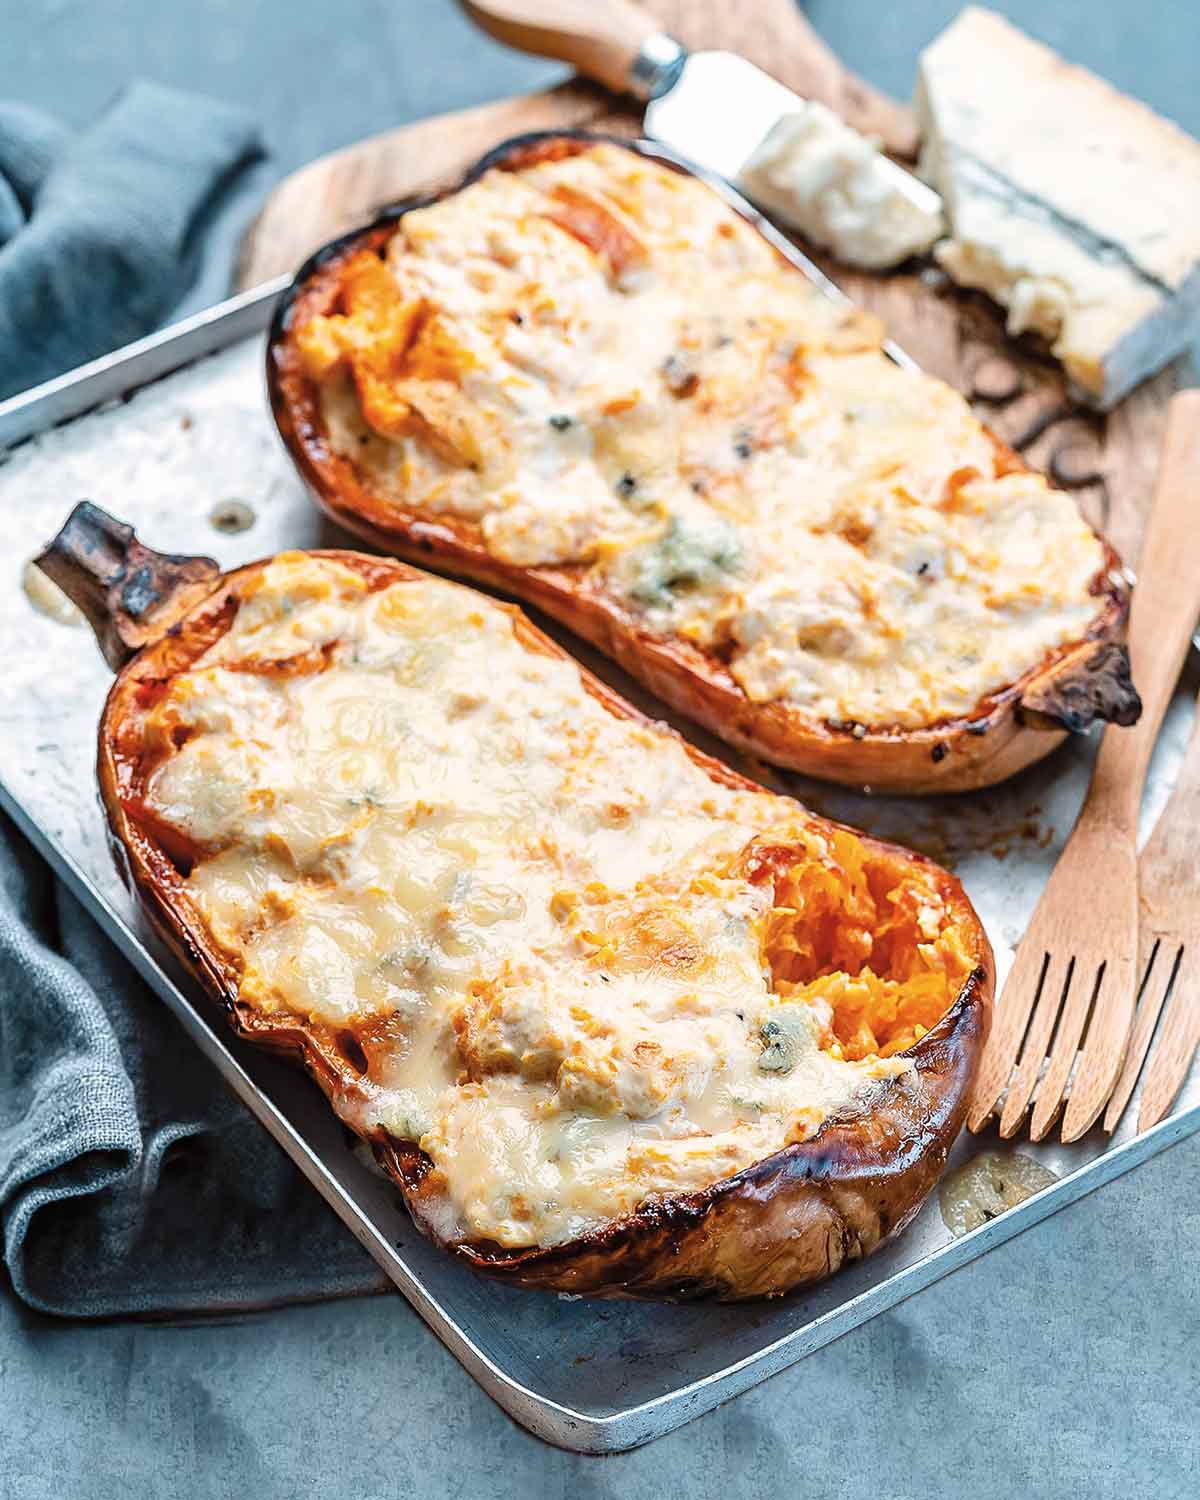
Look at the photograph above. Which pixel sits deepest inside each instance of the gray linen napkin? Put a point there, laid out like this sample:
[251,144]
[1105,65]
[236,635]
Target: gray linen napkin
[131,1181]
[100,231]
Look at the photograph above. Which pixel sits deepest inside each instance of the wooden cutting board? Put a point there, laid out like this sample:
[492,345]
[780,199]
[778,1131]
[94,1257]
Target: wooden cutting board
[1110,461]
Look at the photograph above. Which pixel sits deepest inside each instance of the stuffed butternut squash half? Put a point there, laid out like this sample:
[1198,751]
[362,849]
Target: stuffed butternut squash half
[615,1019]
[587,378]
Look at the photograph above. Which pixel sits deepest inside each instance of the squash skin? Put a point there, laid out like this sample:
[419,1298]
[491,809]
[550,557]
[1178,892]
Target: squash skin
[1069,690]
[786,1221]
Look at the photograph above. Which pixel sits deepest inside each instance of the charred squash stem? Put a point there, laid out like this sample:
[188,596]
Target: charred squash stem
[129,594]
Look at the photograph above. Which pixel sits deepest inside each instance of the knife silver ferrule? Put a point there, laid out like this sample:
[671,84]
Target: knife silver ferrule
[657,66]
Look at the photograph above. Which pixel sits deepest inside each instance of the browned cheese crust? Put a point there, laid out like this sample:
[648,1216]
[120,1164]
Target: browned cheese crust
[787,1221]
[1075,685]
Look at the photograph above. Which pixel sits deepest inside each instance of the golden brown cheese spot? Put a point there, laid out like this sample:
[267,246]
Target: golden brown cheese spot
[501,1027]
[578,971]
[631,381]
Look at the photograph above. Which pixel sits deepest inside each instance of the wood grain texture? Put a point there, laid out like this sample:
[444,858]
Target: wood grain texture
[1080,952]
[774,35]
[598,38]
[1168,954]
[1168,936]
[340,191]
[1170,901]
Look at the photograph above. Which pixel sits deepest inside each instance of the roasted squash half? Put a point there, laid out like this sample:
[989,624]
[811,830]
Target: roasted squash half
[594,382]
[616,1020]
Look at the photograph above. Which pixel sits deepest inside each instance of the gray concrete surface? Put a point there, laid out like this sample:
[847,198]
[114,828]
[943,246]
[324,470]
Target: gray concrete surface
[1063,1364]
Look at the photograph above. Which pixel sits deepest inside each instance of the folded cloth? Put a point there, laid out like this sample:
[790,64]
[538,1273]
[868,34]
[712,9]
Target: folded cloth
[131,1180]
[100,231]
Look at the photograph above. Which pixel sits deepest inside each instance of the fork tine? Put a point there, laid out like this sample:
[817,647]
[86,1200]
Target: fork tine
[1055,985]
[1076,1005]
[1009,1022]
[1105,1048]
[1177,1042]
[1152,994]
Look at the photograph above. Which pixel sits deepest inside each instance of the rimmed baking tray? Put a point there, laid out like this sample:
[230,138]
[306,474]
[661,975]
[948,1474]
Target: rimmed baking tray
[168,429]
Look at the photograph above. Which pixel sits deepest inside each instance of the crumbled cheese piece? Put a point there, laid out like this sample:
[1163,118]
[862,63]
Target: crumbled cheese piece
[831,183]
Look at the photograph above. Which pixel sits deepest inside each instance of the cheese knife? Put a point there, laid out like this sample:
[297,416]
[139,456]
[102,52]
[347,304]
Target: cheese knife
[713,109]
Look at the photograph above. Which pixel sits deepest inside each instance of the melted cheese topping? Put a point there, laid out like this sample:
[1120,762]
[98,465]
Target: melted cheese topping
[576,969]
[599,364]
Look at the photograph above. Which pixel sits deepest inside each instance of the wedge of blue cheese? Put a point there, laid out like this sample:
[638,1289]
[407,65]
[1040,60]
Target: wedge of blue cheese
[1075,207]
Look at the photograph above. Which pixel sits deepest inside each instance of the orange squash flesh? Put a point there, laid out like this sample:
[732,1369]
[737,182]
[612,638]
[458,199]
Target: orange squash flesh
[847,928]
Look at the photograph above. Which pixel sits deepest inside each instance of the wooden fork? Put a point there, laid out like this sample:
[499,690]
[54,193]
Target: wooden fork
[1079,954]
[1168,951]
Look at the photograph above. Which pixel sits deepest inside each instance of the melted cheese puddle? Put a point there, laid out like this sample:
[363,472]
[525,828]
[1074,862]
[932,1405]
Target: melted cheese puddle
[533,916]
[601,365]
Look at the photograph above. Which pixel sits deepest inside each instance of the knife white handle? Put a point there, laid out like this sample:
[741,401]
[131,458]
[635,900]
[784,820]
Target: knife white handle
[614,42]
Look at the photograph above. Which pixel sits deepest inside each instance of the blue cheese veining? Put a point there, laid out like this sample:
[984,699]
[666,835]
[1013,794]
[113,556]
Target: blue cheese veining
[836,187]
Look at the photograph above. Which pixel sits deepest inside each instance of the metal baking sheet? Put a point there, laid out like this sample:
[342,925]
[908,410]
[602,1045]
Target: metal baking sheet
[161,433]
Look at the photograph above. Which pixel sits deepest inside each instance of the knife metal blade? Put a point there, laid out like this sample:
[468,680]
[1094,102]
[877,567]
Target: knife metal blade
[716,109]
